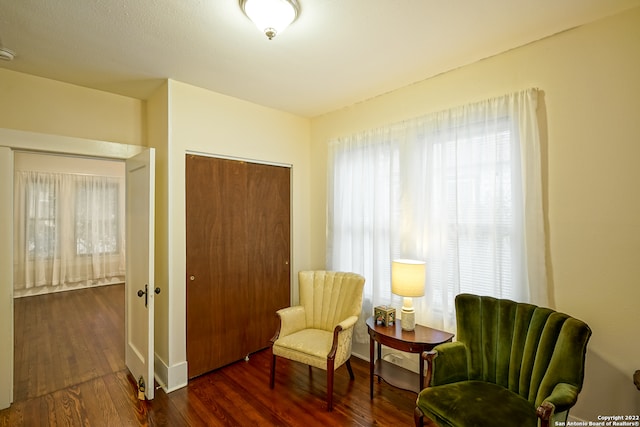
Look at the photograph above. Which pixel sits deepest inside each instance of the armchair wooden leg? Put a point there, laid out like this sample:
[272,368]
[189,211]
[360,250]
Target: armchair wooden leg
[272,378]
[418,417]
[350,370]
[330,371]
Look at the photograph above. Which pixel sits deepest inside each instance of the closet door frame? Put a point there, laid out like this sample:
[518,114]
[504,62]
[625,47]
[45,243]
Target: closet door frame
[200,279]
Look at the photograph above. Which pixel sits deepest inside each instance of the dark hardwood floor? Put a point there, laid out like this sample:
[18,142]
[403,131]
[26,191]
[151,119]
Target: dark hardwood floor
[73,374]
[67,338]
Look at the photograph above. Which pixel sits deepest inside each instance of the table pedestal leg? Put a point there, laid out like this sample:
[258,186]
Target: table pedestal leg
[421,368]
[371,363]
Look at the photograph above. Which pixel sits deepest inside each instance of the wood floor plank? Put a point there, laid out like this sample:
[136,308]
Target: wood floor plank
[95,399]
[193,410]
[67,338]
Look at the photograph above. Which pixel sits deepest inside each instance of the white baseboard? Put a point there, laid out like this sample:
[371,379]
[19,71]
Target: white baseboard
[171,378]
[360,356]
[409,361]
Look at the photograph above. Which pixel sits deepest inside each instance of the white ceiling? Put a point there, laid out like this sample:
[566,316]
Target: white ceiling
[337,53]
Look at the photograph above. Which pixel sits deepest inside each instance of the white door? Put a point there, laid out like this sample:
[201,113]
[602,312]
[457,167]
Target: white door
[139,284]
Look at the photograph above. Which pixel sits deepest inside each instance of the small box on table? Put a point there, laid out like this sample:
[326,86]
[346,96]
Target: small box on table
[384,315]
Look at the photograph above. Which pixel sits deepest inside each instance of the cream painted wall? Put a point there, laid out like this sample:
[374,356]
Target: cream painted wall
[591,147]
[47,106]
[158,134]
[24,161]
[207,122]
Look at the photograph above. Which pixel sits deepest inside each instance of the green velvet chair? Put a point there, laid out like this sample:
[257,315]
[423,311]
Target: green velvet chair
[513,364]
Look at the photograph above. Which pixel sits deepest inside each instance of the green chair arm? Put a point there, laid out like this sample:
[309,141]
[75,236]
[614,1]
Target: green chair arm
[446,363]
[563,397]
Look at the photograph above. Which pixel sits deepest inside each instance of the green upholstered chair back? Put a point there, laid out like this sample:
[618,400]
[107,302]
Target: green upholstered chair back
[330,297]
[522,347]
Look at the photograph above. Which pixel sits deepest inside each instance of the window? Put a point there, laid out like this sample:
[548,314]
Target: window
[477,211]
[97,218]
[41,213]
[459,189]
[68,230]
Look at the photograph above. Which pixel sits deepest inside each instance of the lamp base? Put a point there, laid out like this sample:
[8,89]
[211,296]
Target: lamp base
[408,321]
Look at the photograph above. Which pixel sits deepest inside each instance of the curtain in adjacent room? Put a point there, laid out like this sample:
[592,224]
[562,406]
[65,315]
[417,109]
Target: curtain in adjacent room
[69,230]
[460,189]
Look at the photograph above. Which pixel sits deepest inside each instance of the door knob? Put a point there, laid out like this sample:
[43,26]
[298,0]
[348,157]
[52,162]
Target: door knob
[145,293]
[156,290]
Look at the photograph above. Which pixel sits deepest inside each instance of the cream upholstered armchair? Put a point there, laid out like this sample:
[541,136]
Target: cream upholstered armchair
[318,331]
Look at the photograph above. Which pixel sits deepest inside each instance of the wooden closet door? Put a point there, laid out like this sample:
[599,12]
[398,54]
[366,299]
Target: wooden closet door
[238,250]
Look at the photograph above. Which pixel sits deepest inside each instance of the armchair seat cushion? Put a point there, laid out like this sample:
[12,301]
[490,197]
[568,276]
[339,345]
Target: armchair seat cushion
[476,403]
[308,346]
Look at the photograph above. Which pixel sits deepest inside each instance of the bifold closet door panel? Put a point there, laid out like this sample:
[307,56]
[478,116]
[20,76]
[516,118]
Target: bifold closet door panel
[268,216]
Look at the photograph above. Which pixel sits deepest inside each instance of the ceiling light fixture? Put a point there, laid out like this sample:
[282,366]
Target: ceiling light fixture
[271,16]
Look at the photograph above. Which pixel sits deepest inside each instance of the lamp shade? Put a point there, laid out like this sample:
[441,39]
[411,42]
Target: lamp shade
[407,277]
[271,16]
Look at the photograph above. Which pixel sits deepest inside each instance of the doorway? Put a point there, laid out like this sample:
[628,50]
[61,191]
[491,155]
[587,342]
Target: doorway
[69,328]
[19,140]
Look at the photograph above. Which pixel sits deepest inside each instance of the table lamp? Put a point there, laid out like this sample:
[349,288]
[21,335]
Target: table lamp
[407,280]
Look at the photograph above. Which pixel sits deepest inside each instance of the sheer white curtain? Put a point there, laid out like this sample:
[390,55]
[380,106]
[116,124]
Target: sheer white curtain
[460,189]
[68,230]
